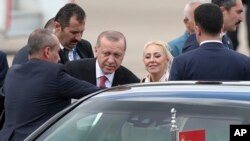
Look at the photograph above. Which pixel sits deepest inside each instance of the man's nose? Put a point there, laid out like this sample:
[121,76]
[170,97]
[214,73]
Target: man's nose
[78,36]
[111,59]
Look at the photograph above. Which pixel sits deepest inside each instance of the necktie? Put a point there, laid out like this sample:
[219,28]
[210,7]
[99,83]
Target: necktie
[74,53]
[227,42]
[102,81]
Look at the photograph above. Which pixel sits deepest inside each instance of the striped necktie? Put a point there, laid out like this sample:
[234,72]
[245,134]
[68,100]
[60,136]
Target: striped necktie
[102,81]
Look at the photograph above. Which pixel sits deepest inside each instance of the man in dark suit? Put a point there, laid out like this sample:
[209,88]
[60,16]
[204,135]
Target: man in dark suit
[3,67]
[3,71]
[69,26]
[211,61]
[232,17]
[36,90]
[110,50]
[1,111]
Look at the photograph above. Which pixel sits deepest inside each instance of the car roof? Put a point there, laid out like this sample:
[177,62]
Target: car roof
[235,95]
[239,91]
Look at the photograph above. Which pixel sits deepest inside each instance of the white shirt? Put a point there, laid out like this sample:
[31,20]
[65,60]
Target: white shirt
[163,78]
[99,73]
[208,41]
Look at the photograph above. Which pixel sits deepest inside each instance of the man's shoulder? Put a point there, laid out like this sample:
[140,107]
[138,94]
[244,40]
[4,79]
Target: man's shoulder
[238,55]
[179,41]
[181,38]
[21,56]
[190,44]
[125,72]
[123,69]
[2,54]
[24,49]
[124,76]
[84,44]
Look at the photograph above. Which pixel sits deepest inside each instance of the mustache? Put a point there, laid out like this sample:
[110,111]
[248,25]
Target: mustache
[238,22]
[75,41]
[110,65]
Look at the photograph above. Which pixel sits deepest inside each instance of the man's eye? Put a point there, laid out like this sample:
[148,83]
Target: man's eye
[117,55]
[106,53]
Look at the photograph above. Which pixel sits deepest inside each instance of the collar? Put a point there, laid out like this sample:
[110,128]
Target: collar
[210,41]
[222,34]
[100,73]
[163,78]
[61,46]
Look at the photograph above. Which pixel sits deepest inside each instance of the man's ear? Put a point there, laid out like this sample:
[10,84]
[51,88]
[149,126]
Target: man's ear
[223,9]
[197,30]
[185,20]
[96,50]
[57,26]
[46,52]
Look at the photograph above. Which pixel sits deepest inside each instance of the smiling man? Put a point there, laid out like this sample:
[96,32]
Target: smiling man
[105,70]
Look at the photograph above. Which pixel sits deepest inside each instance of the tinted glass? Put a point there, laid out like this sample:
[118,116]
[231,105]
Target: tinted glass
[109,120]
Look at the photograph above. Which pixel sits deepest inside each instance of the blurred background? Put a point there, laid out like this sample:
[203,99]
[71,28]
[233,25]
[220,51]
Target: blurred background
[139,20]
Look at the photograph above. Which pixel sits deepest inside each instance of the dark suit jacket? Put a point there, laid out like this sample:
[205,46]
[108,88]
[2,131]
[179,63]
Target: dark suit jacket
[34,92]
[211,61]
[83,49]
[1,111]
[3,67]
[21,56]
[3,71]
[192,43]
[85,69]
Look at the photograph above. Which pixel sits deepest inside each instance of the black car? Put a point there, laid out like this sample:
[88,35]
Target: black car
[153,112]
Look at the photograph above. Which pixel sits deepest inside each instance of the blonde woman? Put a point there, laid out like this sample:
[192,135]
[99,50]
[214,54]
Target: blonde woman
[157,60]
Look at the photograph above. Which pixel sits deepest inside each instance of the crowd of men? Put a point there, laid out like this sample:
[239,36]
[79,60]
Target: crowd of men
[57,65]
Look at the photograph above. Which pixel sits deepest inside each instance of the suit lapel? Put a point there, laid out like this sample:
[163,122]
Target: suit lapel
[91,74]
[63,58]
[79,52]
[227,42]
[82,49]
[118,77]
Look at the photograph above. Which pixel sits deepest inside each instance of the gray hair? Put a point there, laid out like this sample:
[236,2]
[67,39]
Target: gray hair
[39,39]
[190,4]
[113,36]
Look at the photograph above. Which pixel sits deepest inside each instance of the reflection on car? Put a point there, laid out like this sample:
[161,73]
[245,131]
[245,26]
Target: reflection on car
[144,112]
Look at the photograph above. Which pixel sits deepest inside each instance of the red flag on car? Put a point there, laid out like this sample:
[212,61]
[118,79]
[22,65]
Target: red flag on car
[192,135]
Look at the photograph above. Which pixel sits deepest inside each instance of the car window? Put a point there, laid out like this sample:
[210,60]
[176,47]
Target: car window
[140,121]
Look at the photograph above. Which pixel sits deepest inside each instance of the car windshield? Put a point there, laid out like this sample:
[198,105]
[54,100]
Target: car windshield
[121,120]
